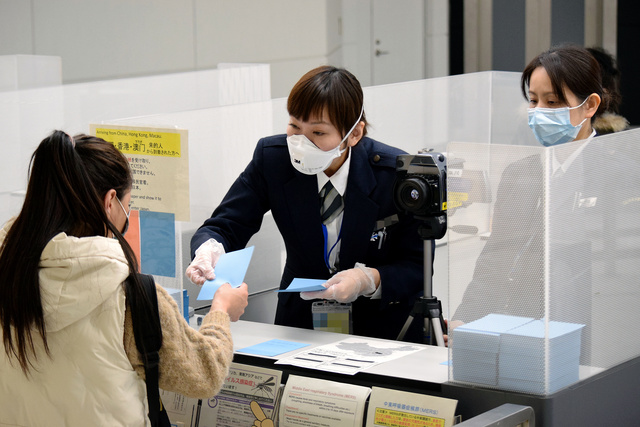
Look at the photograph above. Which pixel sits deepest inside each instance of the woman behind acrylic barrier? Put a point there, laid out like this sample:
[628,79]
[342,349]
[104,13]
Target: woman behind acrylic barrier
[563,87]
[370,254]
[593,205]
[69,354]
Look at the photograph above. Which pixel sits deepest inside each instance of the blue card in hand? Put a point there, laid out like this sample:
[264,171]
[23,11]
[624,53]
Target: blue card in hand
[230,268]
[305,285]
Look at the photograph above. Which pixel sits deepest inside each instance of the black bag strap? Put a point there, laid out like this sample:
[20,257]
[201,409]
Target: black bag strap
[148,335]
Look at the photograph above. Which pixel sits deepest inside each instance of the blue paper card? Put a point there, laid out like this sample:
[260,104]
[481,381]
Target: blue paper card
[230,268]
[305,285]
[272,348]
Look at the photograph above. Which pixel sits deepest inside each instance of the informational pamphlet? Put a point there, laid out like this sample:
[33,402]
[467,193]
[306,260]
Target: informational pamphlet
[394,408]
[321,403]
[249,393]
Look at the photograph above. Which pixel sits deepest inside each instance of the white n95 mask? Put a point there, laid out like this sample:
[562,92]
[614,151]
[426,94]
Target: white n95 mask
[308,159]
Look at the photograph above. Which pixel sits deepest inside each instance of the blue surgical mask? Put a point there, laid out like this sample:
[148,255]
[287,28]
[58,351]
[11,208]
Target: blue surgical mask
[552,126]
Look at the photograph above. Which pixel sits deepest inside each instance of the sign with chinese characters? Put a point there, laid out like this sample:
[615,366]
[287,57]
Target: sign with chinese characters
[395,408]
[159,160]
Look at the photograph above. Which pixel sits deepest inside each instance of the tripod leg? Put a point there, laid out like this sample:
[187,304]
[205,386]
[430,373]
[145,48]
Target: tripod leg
[427,332]
[405,328]
[436,328]
[433,329]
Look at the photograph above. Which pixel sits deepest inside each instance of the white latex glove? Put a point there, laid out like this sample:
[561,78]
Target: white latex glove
[346,286]
[201,268]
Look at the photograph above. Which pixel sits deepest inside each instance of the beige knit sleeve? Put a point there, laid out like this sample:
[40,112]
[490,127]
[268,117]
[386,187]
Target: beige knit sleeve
[192,363]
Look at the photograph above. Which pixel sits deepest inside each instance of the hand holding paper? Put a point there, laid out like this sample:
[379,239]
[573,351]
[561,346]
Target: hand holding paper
[346,286]
[231,300]
[304,285]
[230,268]
[206,257]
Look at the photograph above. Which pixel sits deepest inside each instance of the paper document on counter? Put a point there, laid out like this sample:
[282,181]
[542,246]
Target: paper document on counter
[349,356]
[272,347]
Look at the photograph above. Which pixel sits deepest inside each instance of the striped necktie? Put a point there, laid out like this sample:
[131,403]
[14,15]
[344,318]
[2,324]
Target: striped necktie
[331,204]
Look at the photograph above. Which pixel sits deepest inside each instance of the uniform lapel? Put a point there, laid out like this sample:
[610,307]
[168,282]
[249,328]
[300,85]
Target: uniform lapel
[301,196]
[360,211]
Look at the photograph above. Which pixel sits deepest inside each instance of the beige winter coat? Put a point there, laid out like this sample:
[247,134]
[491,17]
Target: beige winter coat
[94,375]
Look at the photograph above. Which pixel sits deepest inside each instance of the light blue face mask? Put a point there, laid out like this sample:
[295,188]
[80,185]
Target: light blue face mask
[552,126]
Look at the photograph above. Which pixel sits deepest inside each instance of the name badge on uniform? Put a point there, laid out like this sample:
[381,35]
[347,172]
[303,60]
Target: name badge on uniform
[380,230]
[332,316]
[587,202]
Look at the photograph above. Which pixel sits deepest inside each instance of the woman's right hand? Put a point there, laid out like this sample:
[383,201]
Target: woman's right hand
[231,300]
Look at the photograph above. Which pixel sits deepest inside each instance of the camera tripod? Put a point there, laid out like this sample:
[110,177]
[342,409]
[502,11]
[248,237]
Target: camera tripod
[428,308]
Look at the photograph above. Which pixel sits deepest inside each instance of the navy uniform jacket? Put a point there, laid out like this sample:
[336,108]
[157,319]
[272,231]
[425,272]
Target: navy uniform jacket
[270,182]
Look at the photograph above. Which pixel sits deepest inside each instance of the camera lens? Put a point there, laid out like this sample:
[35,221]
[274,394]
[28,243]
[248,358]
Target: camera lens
[413,195]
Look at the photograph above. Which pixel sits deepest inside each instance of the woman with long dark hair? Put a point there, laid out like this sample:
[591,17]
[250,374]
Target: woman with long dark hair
[67,278]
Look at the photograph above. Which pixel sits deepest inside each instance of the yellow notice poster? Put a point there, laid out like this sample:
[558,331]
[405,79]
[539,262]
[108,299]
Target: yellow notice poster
[394,408]
[159,161]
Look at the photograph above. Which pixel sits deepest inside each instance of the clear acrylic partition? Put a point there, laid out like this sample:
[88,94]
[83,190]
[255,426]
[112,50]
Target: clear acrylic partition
[485,107]
[482,107]
[29,71]
[221,143]
[555,259]
[412,116]
[27,116]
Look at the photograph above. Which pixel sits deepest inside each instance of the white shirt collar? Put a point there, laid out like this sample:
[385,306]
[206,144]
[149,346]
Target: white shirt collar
[565,165]
[338,179]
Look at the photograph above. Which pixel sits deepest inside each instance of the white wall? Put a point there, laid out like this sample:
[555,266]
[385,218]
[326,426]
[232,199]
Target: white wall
[100,39]
[108,39]
[290,35]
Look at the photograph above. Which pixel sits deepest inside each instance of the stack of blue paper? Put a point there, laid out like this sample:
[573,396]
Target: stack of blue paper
[475,347]
[528,364]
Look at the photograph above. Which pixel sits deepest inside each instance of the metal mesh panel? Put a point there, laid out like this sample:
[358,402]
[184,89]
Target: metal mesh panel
[555,257]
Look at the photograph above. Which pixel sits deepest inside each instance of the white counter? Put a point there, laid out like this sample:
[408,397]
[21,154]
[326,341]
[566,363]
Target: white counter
[428,364]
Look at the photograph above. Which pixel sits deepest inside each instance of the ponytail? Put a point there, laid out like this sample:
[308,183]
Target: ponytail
[68,179]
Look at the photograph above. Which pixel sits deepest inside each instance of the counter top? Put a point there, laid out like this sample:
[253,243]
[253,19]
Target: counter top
[428,364]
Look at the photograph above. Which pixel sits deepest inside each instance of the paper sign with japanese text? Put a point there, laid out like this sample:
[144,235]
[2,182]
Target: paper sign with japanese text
[249,394]
[395,408]
[159,160]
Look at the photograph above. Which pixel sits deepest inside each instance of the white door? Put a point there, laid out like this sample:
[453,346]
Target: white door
[398,40]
